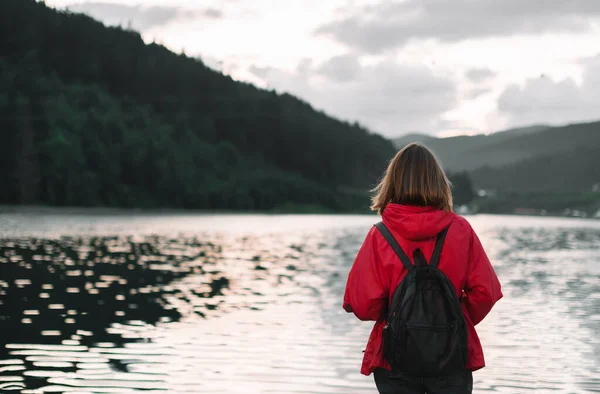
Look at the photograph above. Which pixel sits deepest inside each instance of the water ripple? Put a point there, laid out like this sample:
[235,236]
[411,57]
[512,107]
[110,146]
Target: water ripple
[259,311]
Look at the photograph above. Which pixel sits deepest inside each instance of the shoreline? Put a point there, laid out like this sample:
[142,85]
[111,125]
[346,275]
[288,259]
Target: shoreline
[102,211]
[49,209]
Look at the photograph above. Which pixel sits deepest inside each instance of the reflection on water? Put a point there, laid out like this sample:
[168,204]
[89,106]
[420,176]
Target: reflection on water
[251,304]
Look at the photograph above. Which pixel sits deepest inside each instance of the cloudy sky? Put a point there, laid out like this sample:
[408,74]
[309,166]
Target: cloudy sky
[433,66]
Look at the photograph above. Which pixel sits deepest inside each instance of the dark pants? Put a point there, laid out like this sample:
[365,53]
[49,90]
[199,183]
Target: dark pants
[388,383]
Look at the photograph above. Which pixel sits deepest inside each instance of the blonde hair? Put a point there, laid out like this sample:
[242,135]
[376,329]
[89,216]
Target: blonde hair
[413,177]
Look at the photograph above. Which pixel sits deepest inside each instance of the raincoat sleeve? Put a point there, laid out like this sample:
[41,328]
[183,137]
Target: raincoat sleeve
[365,295]
[482,288]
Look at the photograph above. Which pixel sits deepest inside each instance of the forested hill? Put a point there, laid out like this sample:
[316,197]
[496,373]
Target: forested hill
[539,168]
[92,116]
[507,147]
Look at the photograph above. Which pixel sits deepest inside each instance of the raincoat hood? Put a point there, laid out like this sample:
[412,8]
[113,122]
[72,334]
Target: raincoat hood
[414,222]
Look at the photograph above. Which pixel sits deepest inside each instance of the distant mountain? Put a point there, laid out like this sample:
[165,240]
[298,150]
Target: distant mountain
[559,183]
[546,142]
[571,171]
[521,130]
[401,142]
[466,142]
[467,153]
[538,167]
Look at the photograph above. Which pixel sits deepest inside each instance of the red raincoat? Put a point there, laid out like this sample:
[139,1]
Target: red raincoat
[377,272]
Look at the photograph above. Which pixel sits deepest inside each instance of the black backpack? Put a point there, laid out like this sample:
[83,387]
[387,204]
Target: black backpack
[425,333]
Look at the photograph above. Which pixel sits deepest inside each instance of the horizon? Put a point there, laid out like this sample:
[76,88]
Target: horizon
[450,133]
[390,66]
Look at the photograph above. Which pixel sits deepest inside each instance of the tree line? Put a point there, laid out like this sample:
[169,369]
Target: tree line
[92,116]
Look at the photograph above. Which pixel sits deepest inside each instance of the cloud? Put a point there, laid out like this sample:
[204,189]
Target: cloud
[545,101]
[387,97]
[477,75]
[341,68]
[389,24]
[475,93]
[213,13]
[139,17]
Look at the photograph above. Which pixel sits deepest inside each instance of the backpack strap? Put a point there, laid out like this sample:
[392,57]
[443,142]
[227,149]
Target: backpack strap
[395,246]
[435,257]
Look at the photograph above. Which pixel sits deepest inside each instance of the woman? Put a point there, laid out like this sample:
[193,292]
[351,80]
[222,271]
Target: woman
[415,202]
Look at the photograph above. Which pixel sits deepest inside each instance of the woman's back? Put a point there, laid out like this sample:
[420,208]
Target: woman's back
[377,270]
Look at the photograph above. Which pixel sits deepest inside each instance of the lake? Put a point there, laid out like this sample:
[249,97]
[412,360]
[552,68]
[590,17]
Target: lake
[116,302]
